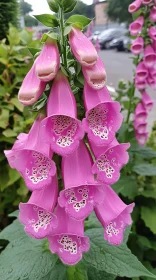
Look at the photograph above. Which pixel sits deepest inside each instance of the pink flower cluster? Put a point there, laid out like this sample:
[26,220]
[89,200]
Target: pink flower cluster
[144,46]
[60,216]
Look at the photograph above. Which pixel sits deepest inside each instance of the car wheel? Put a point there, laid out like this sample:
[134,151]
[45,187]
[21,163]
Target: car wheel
[107,46]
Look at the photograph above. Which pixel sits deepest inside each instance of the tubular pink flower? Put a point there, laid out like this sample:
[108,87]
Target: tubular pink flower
[151,81]
[140,128]
[68,241]
[134,6]
[140,114]
[61,128]
[95,75]
[109,161]
[48,62]
[141,138]
[31,88]
[114,215]
[82,48]
[152,32]
[137,46]
[154,46]
[147,101]
[149,57]
[97,45]
[82,193]
[140,85]
[103,117]
[33,159]
[152,72]
[141,72]
[153,14]
[136,26]
[147,2]
[37,214]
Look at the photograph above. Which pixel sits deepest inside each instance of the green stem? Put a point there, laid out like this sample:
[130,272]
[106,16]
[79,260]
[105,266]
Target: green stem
[130,102]
[63,41]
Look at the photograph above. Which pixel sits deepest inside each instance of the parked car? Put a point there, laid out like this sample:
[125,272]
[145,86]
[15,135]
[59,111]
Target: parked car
[120,44]
[108,35]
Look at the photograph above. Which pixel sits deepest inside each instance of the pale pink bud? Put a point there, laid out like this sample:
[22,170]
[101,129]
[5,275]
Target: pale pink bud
[141,72]
[95,75]
[136,26]
[140,85]
[151,81]
[152,73]
[149,57]
[137,45]
[141,138]
[31,88]
[152,32]
[153,14]
[82,48]
[147,2]
[140,115]
[140,128]
[147,101]
[134,6]
[48,62]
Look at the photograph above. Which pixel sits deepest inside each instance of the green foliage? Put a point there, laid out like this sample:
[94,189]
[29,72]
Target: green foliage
[25,7]
[30,21]
[15,61]
[9,13]
[82,9]
[118,10]
[47,20]
[78,20]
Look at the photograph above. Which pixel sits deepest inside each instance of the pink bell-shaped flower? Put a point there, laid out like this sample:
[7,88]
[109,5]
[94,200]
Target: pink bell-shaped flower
[31,88]
[114,215]
[33,159]
[61,128]
[151,81]
[149,57]
[82,193]
[48,62]
[137,45]
[147,2]
[152,72]
[136,26]
[140,114]
[141,138]
[97,45]
[147,101]
[109,161]
[141,72]
[37,214]
[152,32]
[153,14]
[133,7]
[95,75]
[103,117]
[140,128]
[140,85]
[82,48]
[68,241]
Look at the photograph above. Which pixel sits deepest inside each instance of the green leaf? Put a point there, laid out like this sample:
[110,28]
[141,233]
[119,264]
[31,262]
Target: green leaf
[148,193]
[127,186]
[40,103]
[53,5]
[13,176]
[24,257]
[17,104]
[34,51]
[94,274]
[57,273]
[4,175]
[51,35]
[148,215]
[9,133]
[78,19]
[3,51]
[67,6]
[14,214]
[92,222]
[116,260]
[4,118]
[145,169]
[47,20]
[143,151]
[67,29]
[77,272]
[122,132]
[14,36]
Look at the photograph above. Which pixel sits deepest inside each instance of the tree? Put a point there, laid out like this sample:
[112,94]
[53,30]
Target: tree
[83,9]
[9,13]
[30,21]
[25,7]
[118,10]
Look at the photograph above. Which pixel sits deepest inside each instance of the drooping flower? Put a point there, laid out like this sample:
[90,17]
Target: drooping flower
[114,216]
[140,128]
[137,45]
[152,33]
[140,115]
[153,14]
[37,214]
[82,193]
[32,159]
[103,117]
[136,26]
[109,161]
[147,2]
[68,241]
[141,138]
[95,75]
[151,81]
[147,101]
[152,72]
[31,88]
[61,128]
[48,62]
[140,85]
[141,72]
[82,48]
[133,7]
[149,56]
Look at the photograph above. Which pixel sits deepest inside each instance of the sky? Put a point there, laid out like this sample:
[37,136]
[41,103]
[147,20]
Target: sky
[41,6]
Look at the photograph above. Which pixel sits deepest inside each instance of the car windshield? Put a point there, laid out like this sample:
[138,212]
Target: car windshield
[111,32]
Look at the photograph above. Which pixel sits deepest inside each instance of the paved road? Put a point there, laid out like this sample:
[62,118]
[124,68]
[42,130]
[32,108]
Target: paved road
[119,66]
